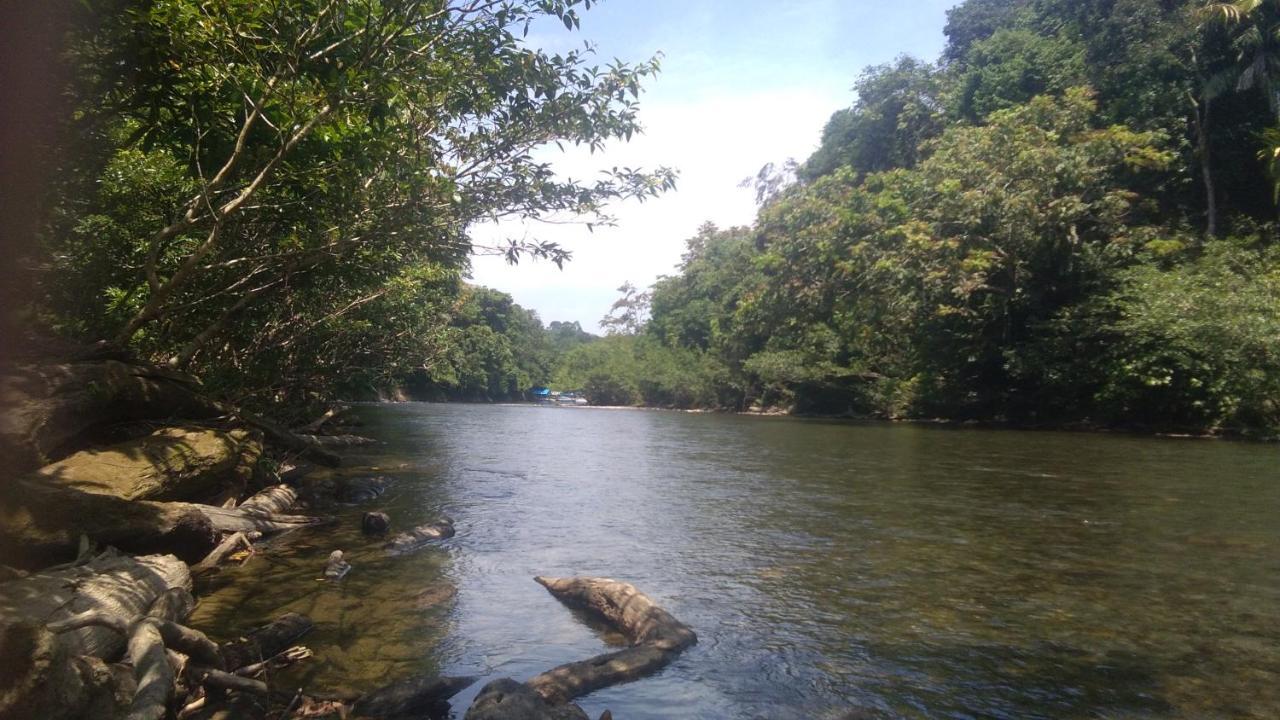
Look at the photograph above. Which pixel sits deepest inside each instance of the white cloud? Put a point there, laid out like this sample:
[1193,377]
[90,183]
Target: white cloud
[715,142]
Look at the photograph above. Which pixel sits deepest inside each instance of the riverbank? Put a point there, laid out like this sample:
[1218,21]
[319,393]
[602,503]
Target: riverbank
[1246,435]
[135,497]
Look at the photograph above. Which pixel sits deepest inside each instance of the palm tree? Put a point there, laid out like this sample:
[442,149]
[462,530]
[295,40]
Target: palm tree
[1255,37]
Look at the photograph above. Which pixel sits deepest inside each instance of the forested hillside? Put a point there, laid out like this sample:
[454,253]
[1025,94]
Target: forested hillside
[1068,218]
[277,197]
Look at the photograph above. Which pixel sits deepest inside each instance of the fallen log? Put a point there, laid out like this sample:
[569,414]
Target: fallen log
[339,440]
[620,604]
[111,584]
[656,635]
[417,695]
[572,680]
[40,523]
[315,425]
[172,463]
[420,537]
[234,542]
[40,679]
[174,604]
[274,499]
[289,440]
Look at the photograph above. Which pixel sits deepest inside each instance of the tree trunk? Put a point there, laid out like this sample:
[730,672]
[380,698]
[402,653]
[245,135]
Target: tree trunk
[1201,120]
[112,584]
[657,636]
[41,523]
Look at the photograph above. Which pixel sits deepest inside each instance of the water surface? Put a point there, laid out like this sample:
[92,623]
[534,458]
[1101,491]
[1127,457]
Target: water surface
[830,569]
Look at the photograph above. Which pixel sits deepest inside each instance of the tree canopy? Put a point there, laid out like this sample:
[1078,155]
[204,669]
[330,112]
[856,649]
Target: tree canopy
[1067,218]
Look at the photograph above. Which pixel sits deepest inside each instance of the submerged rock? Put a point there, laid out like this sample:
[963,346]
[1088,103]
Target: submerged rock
[375,523]
[358,490]
[506,699]
[337,567]
[420,537]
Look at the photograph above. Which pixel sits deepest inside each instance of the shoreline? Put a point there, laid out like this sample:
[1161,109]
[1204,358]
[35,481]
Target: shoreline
[1066,427]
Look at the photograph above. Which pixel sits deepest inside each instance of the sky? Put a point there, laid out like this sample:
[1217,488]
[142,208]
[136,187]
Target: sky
[743,83]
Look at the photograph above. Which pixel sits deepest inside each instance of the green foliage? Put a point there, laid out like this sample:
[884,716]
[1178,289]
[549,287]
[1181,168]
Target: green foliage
[1013,66]
[899,107]
[278,196]
[1008,235]
[1197,344]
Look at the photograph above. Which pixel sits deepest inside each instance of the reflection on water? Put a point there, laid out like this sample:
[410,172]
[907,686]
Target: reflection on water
[831,570]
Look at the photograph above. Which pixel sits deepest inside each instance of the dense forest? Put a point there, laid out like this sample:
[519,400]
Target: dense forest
[276,198]
[1067,219]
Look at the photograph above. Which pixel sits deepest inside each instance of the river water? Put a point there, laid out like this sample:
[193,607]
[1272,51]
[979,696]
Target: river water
[830,569]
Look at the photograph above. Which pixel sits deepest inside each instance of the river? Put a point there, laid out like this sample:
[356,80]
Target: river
[830,569]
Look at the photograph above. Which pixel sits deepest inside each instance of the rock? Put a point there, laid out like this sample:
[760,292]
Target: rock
[173,463]
[420,537]
[48,406]
[375,523]
[358,490]
[415,695]
[506,699]
[267,641]
[337,568]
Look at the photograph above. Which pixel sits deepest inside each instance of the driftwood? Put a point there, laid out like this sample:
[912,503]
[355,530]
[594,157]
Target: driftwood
[274,499]
[418,695]
[339,440]
[420,537]
[657,637]
[54,662]
[42,523]
[289,440]
[111,584]
[160,652]
[173,463]
[233,543]
[279,660]
[315,425]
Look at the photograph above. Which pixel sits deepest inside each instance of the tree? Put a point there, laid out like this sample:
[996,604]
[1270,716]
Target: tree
[248,174]
[899,106]
[629,313]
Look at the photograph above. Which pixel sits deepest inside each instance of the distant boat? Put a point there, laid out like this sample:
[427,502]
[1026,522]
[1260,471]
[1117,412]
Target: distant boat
[546,396]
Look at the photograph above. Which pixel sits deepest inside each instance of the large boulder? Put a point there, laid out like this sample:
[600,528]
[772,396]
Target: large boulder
[49,406]
[506,699]
[173,463]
